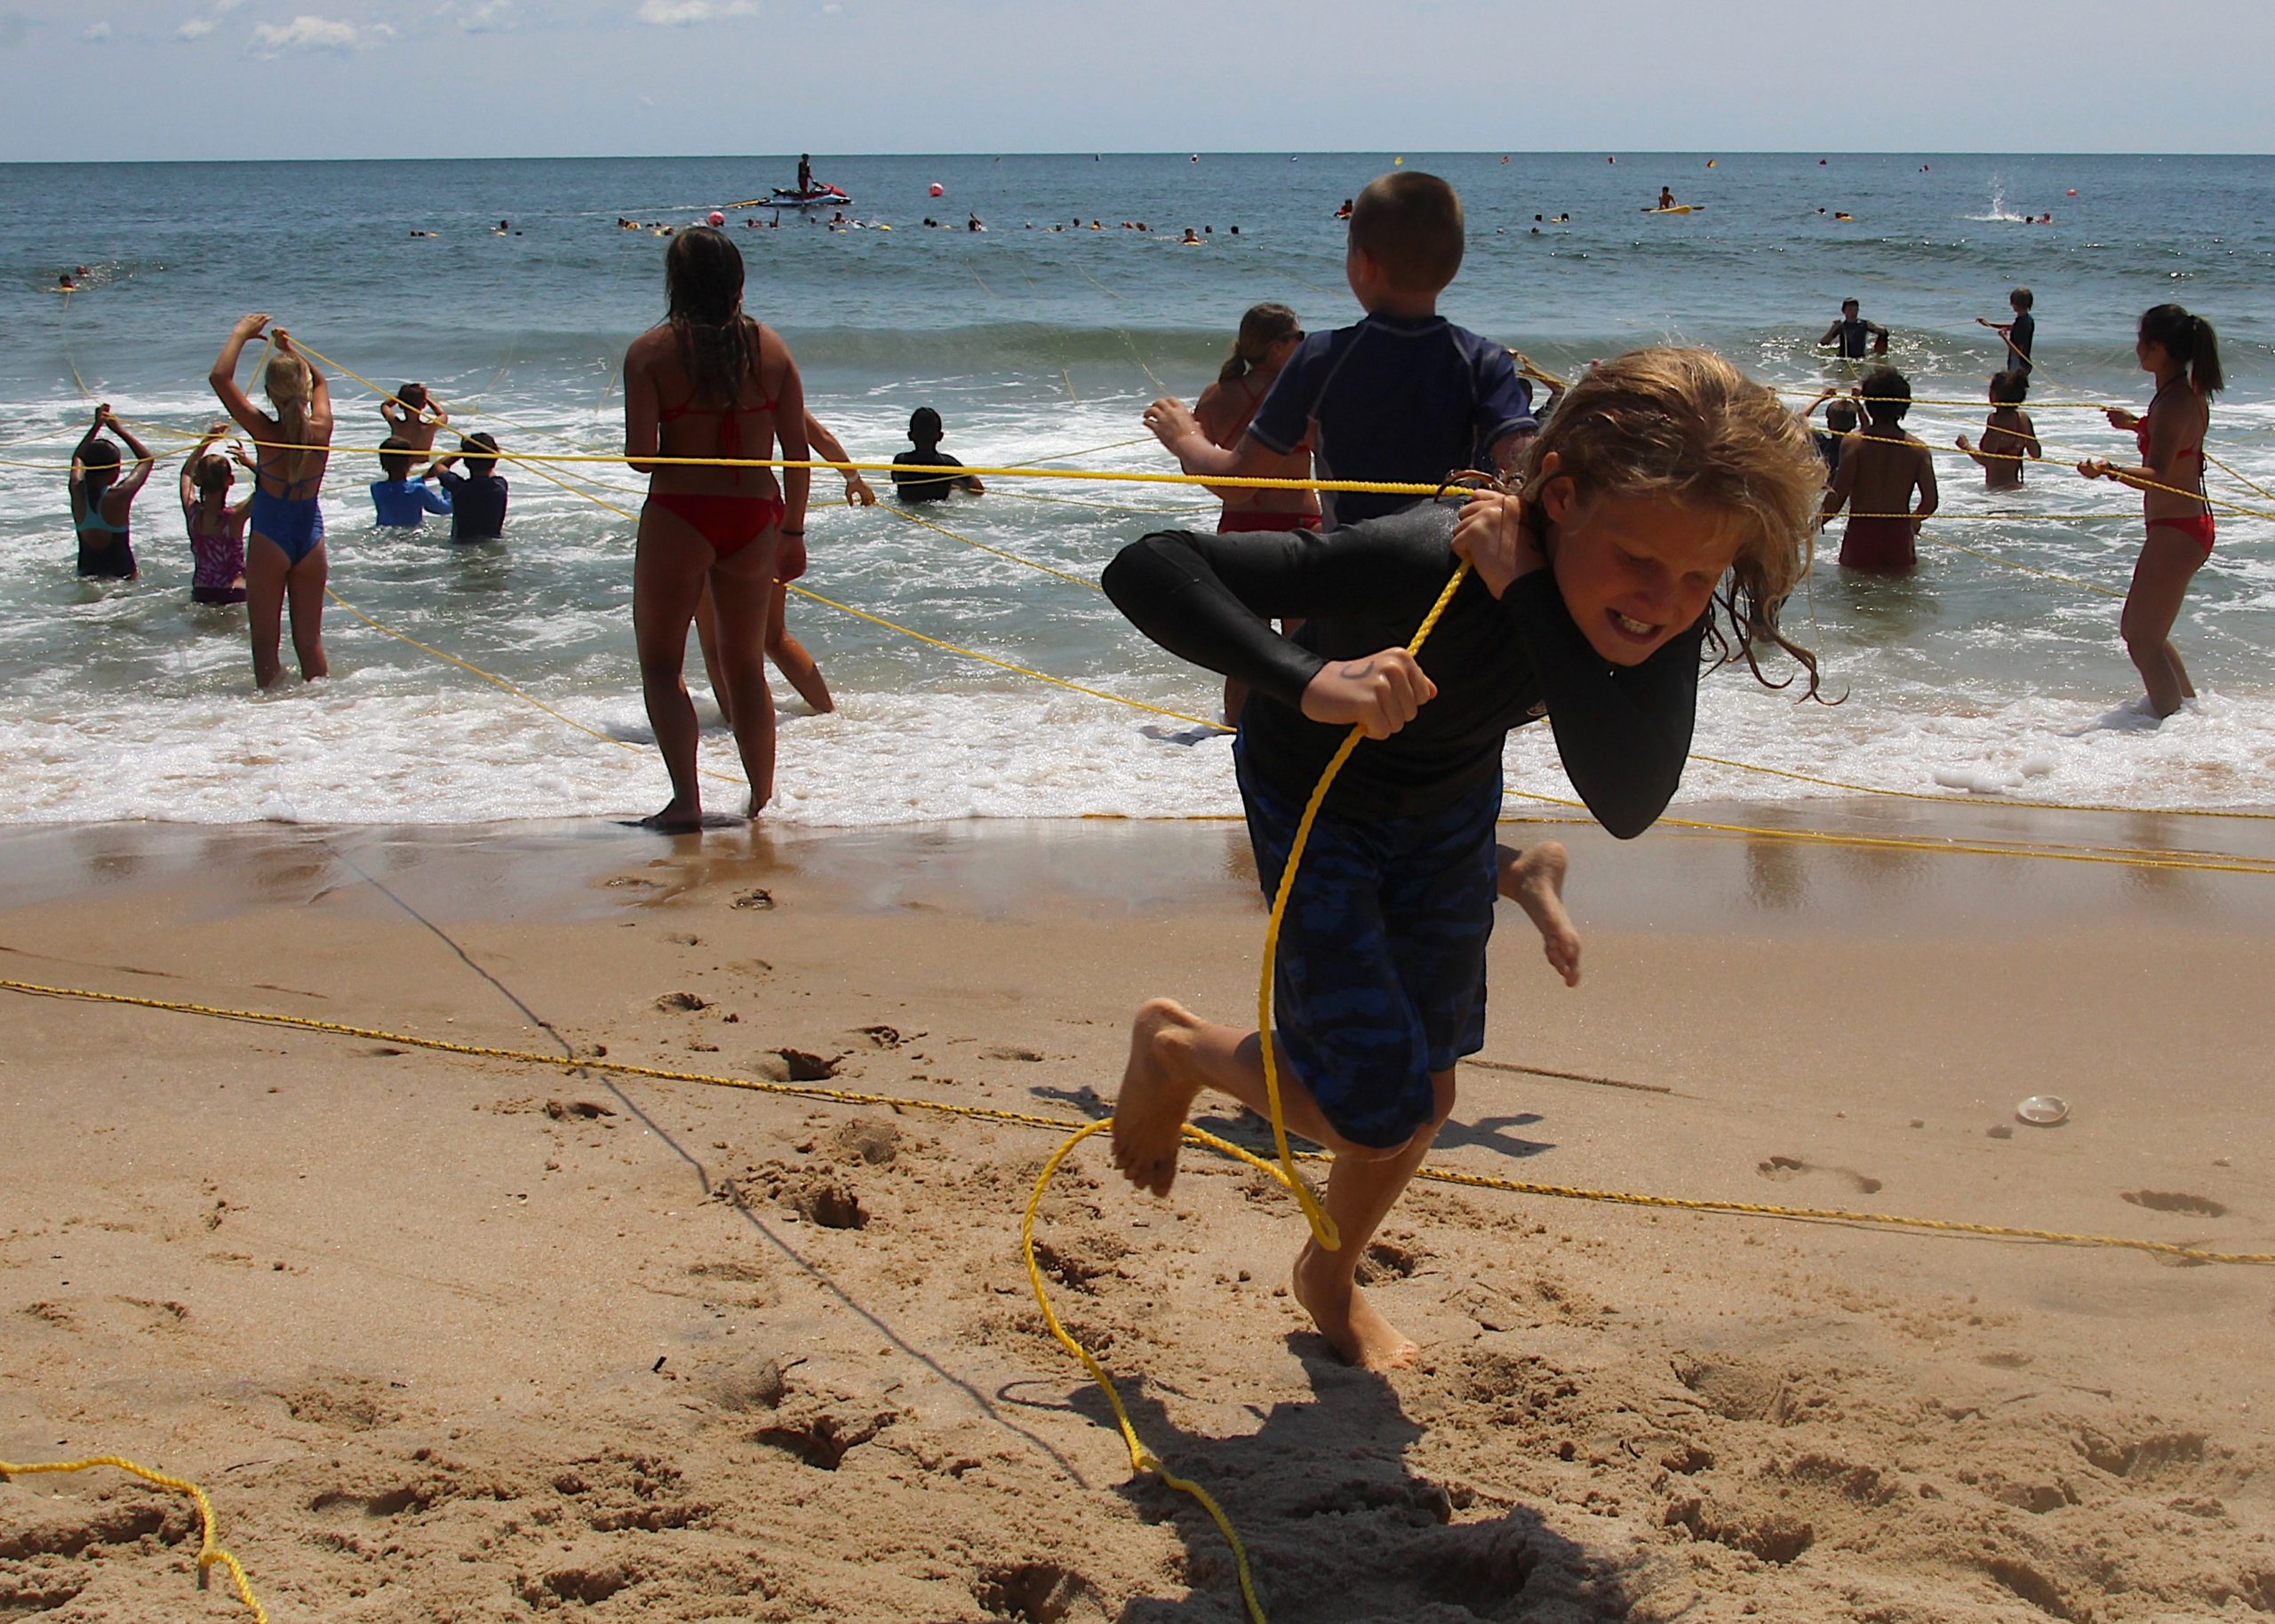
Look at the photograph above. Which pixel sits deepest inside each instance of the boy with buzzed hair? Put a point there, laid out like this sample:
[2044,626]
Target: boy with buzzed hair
[1404,395]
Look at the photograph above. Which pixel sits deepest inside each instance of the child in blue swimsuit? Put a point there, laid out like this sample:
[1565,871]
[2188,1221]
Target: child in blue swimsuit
[285,561]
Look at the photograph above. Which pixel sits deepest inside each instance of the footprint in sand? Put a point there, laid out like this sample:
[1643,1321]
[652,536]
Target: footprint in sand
[2174,1201]
[1784,1169]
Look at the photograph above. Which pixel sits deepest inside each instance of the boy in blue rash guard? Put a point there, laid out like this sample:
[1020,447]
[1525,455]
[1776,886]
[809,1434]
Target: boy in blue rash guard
[399,501]
[1404,396]
[1664,514]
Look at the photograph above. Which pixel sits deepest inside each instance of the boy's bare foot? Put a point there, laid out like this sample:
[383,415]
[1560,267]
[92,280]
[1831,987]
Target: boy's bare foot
[1359,1334]
[1535,881]
[674,819]
[1157,1090]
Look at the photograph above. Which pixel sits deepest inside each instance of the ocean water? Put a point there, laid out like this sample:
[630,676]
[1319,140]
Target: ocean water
[127,702]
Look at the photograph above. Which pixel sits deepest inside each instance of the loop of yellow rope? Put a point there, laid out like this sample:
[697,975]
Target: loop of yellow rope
[1141,1459]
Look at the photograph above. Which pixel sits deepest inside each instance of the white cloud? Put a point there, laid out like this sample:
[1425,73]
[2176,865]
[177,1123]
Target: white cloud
[98,33]
[224,7]
[681,13]
[490,17]
[306,33]
[196,28]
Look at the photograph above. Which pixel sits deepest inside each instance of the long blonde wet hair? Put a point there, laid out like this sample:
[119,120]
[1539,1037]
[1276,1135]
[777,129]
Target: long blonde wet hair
[1686,426]
[285,379]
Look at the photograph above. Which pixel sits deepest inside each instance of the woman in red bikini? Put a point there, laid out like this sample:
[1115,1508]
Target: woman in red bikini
[1268,336]
[2183,353]
[710,382]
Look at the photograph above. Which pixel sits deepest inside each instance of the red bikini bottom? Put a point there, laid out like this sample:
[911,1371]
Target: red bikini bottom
[1883,546]
[2197,530]
[1241,521]
[729,524]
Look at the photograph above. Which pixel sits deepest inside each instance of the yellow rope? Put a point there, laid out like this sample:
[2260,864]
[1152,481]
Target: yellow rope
[1036,1119]
[2011,563]
[1983,800]
[1324,1228]
[519,693]
[1141,1459]
[902,513]
[2208,862]
[2239,477]
[1025,670]
[844,1096]
[210,1554]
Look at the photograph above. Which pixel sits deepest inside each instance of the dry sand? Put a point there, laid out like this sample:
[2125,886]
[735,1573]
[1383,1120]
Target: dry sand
[474,1340]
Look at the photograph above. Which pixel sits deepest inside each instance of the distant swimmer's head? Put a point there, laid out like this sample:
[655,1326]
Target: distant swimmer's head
[1263,327]
[2010,387]
[2172,336]
[480,452]
[1406,231]
[2021,300]
[703,276]
[1668,484]
[1887,394]
[212,474]
[924,430]
[99,464]
[395,454]
[1849,307]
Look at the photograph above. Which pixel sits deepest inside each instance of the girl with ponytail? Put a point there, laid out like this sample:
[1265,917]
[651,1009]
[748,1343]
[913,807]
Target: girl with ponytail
[1268,336]
[285,561]
[2180,351]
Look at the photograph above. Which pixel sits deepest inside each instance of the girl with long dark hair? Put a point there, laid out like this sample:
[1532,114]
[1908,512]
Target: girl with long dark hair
[710,383]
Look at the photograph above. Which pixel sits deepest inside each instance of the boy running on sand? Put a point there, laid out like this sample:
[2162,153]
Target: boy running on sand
[1404,395]
[1667,488]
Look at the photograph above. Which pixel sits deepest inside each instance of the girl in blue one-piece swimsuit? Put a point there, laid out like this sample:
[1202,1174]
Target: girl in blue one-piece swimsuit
[284,560]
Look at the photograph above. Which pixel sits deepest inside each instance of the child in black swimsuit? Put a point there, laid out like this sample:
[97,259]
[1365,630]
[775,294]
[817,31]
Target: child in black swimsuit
[102,497]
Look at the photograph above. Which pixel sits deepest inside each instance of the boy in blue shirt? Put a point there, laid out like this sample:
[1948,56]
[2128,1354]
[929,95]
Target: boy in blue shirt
[402,502]
[478,496]
[1404,395]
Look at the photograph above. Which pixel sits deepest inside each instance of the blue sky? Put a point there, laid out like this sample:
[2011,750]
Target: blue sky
[105,79]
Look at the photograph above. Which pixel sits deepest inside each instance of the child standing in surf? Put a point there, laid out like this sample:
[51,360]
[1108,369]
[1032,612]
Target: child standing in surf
[1659,520]
[1881,471]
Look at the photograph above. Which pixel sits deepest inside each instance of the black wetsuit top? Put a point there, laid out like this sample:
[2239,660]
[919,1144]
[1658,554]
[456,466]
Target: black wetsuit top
[1851,333]
[919,488]
[2022,336]
[1622,730]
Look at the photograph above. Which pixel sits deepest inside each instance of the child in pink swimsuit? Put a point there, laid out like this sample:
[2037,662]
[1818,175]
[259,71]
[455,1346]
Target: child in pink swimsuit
[217,526]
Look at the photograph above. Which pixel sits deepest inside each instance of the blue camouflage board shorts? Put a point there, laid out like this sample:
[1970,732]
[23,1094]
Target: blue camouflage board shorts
[1381,973]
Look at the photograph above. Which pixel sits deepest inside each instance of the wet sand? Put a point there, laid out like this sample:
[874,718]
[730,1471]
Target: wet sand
[473,1338]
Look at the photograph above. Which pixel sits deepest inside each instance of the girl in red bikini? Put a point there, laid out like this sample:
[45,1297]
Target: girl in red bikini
[710,382]
[2183,353]
[1268,336]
